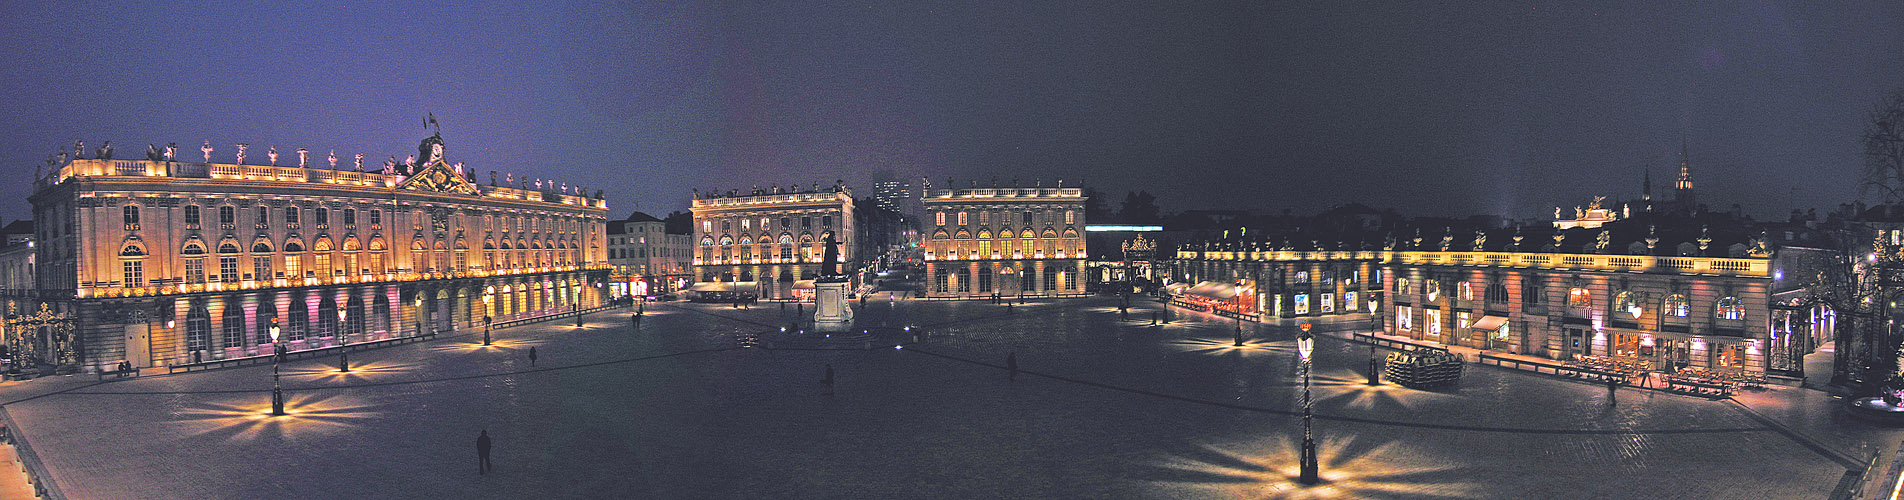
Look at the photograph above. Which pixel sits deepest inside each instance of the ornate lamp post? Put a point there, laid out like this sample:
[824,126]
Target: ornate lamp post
[1375,327]
[343,346]
[1306,345]
[277,356]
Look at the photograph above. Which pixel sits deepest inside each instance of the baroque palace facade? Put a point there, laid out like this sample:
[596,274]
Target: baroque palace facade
[765,242]
[167,262]
[1632,290]
[1011,241]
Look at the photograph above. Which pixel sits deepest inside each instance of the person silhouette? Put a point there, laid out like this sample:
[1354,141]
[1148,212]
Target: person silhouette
[828,379]
[482,453]
[1011,363]
[532,356]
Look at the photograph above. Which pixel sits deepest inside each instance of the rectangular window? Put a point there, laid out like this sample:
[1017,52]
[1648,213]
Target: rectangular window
[376,217]
[264,218]
[806,221]
[938,218]
[1405,318]
[227,218]
[1027,217]
[134,273]
[350,216]
[195,270]
[260,267]
[321,216]
[1348,301]
[1434,321]
[191,216]
[1069,217]
[292,268]
[1461,321]
[228,269]
[291,216]
[962,219]
[131,213]
[1302,303]
[376,263]
[322,264]
[1328,303]
[826,221]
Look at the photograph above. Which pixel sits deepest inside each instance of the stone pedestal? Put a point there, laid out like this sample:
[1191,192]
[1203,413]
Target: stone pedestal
[830,310]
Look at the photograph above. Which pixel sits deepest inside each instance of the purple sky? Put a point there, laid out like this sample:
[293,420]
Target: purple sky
[1435,109]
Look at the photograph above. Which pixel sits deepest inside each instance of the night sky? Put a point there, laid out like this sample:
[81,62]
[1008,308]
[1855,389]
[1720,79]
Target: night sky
[1434,109]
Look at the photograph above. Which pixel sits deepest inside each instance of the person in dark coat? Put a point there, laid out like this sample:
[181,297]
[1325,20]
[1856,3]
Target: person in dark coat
[827,379]
[482,453]
[1011,363]
[532,356]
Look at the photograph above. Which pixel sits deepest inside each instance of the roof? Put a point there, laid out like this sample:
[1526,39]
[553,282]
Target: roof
[19,226]
[640,217]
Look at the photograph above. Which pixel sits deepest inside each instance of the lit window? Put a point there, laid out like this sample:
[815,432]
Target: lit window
[1070,217]
[961,218]
[939,218]
[1467,290]
[1676,306]
[1434,321]
[1628,303]
[1405,318]
[1432,289]
[1579,297]
[1302,303]
[1731,308]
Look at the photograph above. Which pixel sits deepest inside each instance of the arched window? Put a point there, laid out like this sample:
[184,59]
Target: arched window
[1497,293]
[1677,306]
[193,248]
[198,328]
[232,326]
[132,250]
[1731,308]
[1628,304]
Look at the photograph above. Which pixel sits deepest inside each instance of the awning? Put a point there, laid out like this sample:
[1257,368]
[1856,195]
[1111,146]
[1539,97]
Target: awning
[803,285]
[723,286]
[1214,289]
[1489,323]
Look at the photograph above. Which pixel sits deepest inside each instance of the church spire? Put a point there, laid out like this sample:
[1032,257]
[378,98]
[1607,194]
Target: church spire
[1682,188]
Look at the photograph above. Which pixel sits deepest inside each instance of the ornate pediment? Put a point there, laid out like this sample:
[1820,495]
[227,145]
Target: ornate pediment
[436,175]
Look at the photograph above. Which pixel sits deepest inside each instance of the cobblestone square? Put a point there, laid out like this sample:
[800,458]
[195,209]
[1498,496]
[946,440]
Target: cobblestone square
[677,407]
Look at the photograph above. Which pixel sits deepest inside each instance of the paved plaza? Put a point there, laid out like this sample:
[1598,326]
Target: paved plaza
[677,407]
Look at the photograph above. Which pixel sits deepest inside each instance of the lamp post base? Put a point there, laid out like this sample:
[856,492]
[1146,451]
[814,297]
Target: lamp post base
[277,402]
[1309,467]
[485,336]
[343,361]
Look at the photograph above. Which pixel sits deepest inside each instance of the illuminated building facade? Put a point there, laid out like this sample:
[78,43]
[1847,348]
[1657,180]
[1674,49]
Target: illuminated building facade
[1628,290]
[169,262]
[1256,283]
[648,260]
[763,242]
[1004,241]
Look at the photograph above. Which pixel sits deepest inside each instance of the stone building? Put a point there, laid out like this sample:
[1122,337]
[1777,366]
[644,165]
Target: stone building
[1012,241]
[165,262]
[760,243]
[648,260]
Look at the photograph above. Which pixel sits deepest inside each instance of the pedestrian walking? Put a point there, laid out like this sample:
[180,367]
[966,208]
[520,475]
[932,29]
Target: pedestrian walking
[1612,386]
[827,379]
[482,453]
[532,356]
[1011,363]
[1153,317]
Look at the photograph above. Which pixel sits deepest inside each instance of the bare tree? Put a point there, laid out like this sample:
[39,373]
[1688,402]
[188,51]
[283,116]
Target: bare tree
[1849,282]
[1884,151]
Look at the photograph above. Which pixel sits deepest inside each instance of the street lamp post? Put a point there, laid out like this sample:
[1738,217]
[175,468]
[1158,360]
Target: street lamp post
[1306,345]
[343,347]
[1375,326]
[277,356]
